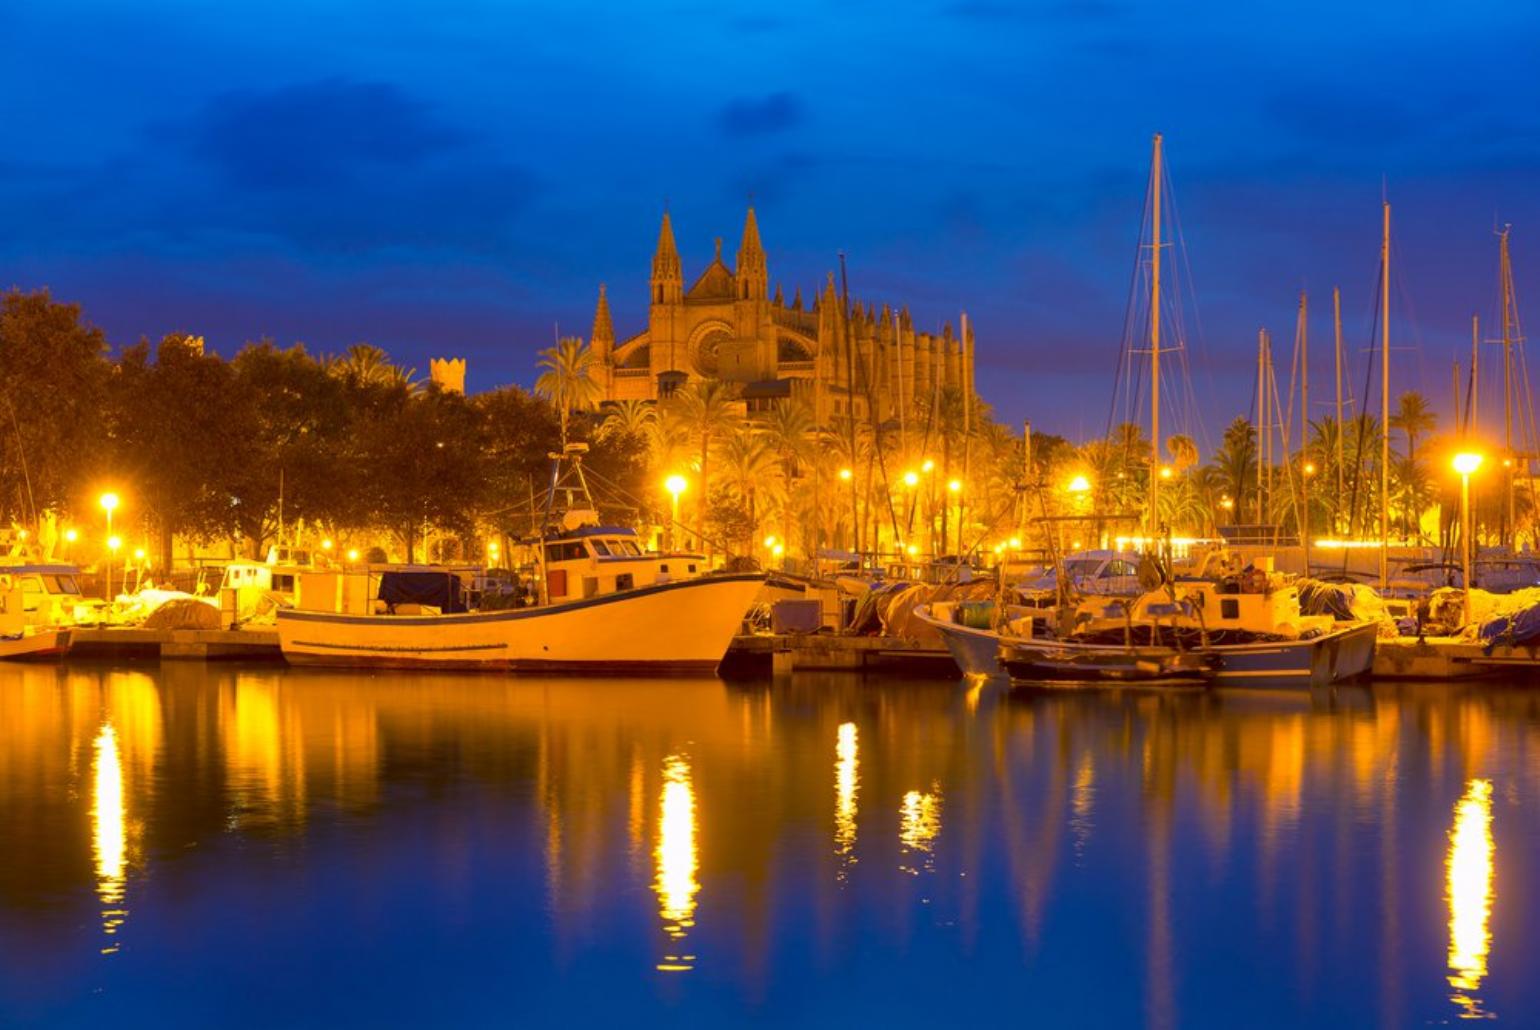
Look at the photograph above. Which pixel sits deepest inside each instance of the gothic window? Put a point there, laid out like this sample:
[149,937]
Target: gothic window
[708,354]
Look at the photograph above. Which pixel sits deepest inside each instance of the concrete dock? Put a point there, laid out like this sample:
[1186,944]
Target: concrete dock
[785,653]
[256,643]
[1446,658]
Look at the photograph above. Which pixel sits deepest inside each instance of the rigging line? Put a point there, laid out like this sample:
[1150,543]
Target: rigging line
[1185,290]
[1129,309]
[621,491]
[1361,420]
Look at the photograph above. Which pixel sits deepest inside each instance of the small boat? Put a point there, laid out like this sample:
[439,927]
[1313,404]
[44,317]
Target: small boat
[601,604]
[1047,661]
[37,608]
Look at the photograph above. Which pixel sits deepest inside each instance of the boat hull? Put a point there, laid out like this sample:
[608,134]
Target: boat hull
[976,651]
[39,646]
[1330,658]
[681,627]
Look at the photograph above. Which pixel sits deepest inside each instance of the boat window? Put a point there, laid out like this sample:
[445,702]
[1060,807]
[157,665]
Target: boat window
[600,547]
[282,582]
[60,585]
[1082,567]
[626,547]
[567,550]
[624,581]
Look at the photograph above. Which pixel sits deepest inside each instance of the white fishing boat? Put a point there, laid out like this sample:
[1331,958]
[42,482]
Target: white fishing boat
[603,605]
[38,602]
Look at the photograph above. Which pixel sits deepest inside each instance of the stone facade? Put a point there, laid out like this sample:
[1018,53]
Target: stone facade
[728,326]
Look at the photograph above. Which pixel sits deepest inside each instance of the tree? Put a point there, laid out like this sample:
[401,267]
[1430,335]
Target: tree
[1413,417]
[751,464]
[423,463]
[629,418]
[567,381]
[366,365]
[53,380]
[703,411]
[184,431]
[1235,464]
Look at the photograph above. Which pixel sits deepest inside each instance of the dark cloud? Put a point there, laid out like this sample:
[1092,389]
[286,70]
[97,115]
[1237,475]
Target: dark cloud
[750,116]
[327,132]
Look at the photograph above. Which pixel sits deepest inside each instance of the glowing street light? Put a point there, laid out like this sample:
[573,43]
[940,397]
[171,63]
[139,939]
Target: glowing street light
[675,485]
[109,502]
[1079,485]
[846,474]
[1166,472]
[113,543]
[353,554]
[327,545]
[911,478]
[927,465]
[71,535]
[1466,463]
[770,541]
[954,485]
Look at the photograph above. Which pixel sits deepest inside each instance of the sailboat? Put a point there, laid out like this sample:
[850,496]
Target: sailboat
[605,605]
[1246,629]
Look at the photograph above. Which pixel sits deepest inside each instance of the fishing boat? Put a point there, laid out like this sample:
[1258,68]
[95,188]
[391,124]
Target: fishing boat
[602,605]
[975,648]
[1226,633]
[37,608]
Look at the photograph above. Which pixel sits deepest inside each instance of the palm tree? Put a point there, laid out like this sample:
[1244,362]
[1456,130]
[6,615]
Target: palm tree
[751,461]
[568,381]
[1183,450]
[1413,417]
[629,418]
[704,410]
[790,431]
[367,365]
[1235,464]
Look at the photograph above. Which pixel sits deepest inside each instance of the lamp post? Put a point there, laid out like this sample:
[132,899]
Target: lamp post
[1307,470]
[113,543]
[675,485]
[109,504]
[847,475]
[954,487]
[1466,463]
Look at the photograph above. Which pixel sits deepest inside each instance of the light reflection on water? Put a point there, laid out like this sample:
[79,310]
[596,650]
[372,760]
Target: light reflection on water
[500,845]
[1470,896]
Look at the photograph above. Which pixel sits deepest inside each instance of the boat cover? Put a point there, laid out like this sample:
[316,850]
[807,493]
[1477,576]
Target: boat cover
[441,590]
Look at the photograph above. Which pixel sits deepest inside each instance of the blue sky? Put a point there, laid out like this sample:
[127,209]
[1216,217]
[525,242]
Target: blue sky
[456,178]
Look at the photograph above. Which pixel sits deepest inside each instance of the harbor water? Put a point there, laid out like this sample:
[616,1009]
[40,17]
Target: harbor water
[255,846]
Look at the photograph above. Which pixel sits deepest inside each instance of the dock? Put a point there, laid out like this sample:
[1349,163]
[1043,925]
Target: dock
[780,654]
[246,644]
[1447,658]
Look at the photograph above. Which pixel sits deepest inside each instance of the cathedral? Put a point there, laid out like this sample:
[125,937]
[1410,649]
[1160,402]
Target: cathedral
[728,326]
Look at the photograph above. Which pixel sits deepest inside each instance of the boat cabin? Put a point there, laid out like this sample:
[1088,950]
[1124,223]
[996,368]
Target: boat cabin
[38,595]
[590,561]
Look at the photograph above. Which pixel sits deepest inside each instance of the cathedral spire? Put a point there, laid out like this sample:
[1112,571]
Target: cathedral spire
[602,339]
[667,275]
[753,275]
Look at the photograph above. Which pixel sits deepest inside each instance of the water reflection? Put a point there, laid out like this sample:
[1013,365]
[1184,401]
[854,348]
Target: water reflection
[919,825]
[108,834]
[1102,843]
[678,860]
[846,785]
[1470,896]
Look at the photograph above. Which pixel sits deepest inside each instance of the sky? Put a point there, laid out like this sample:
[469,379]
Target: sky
[456,178]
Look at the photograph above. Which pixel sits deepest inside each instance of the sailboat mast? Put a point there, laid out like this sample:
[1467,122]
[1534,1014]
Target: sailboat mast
[1155,190]
[1336,314]
[1261,422]
[1304,425]
[1505,271]
[1385,402]
[1457,423]
[1474,407]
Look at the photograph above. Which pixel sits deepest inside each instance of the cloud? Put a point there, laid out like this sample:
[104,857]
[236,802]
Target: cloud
[748,116]
[330,131]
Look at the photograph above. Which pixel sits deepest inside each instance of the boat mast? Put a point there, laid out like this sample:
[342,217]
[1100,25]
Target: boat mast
[1155,191]
[1336,311]
[1304,426]
[1474,407]
[1505,272]
[1261,422]
[1385,402]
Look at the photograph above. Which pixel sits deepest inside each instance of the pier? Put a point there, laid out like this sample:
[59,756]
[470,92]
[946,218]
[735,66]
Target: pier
[254,644]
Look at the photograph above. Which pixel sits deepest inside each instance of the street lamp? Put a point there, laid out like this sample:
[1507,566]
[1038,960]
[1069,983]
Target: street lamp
[109,503]
[911,478]
[113,543]
[1079,485]
[1465,463]
[846,474]
[675,485]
